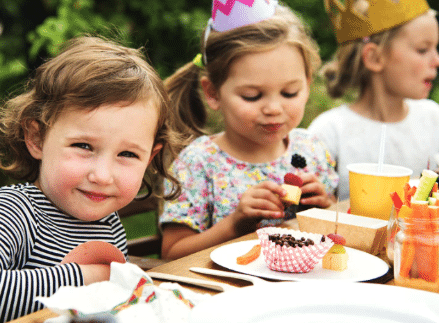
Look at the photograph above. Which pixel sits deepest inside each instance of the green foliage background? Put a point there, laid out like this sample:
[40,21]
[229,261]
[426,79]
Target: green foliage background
[33,30]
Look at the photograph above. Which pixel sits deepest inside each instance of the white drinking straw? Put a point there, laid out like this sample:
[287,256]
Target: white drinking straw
[382,146]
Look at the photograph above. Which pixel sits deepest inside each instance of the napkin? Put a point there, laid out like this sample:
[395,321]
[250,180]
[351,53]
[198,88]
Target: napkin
[129,296]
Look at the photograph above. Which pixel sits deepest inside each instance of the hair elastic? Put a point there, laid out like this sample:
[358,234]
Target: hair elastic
[198,60]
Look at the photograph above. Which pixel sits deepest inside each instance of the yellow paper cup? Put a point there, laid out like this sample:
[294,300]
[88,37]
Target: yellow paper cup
[370,189]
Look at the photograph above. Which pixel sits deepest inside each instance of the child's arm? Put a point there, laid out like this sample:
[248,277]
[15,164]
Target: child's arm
[259,202]
[94,258]
[18,288]
[314,192]
[179,240]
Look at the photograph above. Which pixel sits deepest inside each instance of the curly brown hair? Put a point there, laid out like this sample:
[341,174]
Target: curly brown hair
[89,72]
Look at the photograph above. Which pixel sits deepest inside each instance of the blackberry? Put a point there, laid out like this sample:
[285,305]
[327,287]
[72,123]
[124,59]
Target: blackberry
[298,161]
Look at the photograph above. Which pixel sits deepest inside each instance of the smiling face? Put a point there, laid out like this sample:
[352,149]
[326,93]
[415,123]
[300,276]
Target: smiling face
[264,96]
[93,162]
[411,65]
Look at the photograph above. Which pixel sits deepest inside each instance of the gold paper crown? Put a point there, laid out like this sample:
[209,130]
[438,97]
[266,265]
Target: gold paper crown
[362,18]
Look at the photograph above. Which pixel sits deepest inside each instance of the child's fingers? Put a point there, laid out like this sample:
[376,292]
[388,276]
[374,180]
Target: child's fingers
[314,192]
[271,186]
[311,185]
[322,201]
[314,188]
[261,201]
[268,205]
[263,213]
[308,178]
[268,196]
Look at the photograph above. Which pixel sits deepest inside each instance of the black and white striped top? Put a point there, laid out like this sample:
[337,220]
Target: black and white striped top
[34,238]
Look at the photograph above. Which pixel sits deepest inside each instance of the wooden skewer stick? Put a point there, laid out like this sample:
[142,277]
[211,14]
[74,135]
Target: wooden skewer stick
[336,216]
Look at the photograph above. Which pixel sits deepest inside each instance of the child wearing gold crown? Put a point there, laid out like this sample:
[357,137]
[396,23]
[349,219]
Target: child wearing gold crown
[387,52]
[256,67]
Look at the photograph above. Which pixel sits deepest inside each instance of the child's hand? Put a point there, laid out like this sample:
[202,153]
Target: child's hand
[94,252]
[94,259]
[314,192]
[258,202]
[95,273]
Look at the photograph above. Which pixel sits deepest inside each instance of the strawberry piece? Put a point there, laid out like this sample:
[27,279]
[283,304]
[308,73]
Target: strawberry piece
[338,239]
[292,179]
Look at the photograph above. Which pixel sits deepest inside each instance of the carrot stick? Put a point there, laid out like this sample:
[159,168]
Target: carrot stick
[424,261]
[434,263]
[434,218]
[407,258]
[408,193]
[420,211]
[426,258]
[250,256]
[434,249]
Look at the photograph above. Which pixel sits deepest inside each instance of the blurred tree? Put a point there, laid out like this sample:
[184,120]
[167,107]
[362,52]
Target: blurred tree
[169,30]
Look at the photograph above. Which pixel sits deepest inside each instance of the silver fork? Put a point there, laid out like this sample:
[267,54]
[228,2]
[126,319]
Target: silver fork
[253,279]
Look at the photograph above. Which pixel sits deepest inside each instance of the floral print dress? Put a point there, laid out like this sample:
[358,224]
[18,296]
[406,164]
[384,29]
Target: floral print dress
[213,181]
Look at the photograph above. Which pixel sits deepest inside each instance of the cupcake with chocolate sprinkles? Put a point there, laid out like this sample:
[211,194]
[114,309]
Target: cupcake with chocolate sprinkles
[292,251]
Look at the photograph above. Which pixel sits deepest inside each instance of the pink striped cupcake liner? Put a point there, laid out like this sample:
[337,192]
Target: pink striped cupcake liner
[290,259]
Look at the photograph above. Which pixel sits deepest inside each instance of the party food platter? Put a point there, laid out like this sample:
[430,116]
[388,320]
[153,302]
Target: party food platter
[361,265]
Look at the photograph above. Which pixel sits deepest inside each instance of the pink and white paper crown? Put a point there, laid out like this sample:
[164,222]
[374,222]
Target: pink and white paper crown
[230,14]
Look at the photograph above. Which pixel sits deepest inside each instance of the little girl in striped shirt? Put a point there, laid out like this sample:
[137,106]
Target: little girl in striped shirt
[81,137]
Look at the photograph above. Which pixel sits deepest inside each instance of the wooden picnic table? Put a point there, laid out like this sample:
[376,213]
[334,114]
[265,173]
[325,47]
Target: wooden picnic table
[180,267]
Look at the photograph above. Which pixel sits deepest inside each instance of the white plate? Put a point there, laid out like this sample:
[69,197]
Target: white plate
[361,265]
[319,301]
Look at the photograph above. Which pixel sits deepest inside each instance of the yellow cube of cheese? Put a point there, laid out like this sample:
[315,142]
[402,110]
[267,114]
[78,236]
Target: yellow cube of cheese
[293,194]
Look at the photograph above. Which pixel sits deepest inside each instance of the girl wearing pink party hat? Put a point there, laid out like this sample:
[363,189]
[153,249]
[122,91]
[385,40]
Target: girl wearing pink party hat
[256,67]
[388,54]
